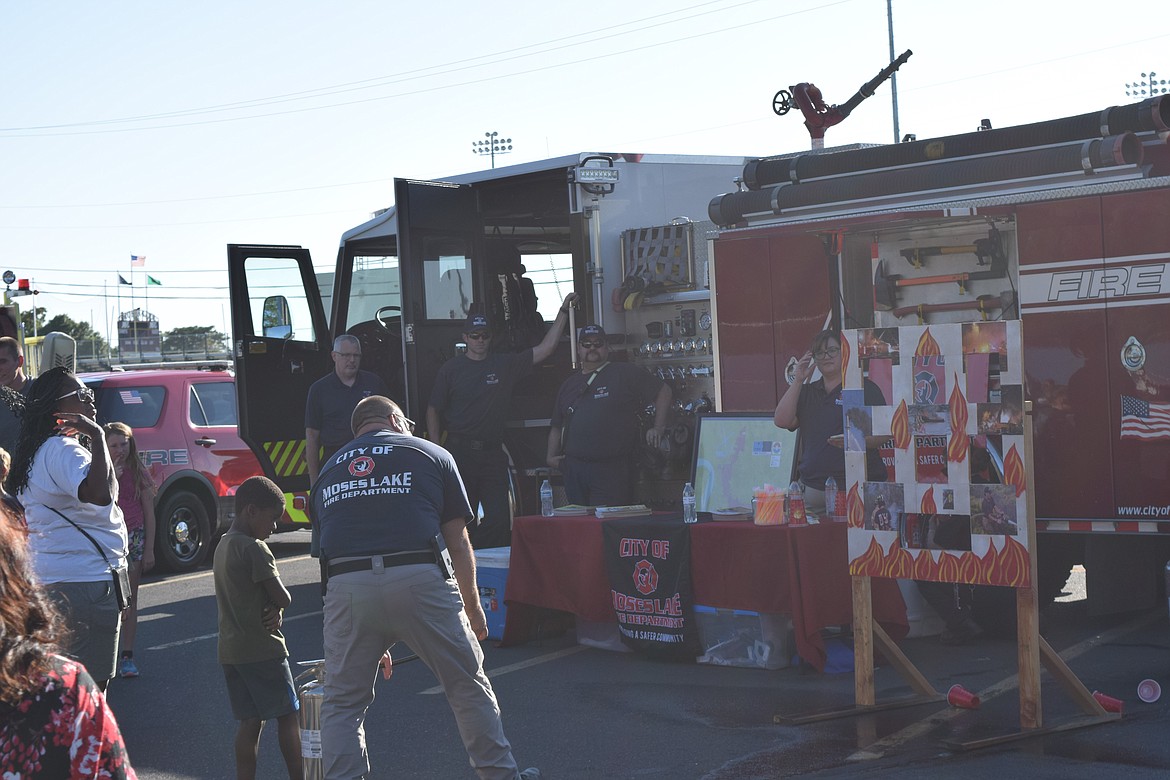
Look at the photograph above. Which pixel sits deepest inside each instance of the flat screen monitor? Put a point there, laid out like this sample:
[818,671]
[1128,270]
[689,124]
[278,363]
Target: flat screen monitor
[736,452]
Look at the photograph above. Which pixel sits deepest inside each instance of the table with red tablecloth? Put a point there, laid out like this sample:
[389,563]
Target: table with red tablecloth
[558,563]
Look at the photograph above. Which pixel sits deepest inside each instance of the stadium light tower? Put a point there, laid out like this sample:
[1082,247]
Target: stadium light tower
[492,146]
[1147,87]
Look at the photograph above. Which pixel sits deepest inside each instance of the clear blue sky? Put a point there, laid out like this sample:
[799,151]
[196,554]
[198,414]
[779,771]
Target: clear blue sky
[170,130]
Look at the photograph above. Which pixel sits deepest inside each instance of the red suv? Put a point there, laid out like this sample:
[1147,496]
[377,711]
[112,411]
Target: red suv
[185,424]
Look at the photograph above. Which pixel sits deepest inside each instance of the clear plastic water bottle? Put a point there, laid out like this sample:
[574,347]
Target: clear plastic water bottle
[831,498]
[690,513]
[796,513]
[546,501]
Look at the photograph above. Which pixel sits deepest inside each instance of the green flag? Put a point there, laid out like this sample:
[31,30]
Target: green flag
[151,280]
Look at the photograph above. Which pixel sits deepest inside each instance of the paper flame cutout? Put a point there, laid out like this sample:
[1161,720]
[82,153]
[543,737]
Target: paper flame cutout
[928,505]
[957,449]
[846,350]
[1013,471]
[927,346]
[1005,566]
[900,426]
[869,562]
[855,510]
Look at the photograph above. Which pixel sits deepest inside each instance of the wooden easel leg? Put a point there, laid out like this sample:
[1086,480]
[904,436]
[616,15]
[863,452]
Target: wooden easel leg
[903,665]
[863,642]
[865,632]
[1028,655]
[1069,681]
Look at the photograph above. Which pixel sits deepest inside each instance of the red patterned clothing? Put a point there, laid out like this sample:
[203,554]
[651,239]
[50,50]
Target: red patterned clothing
[64,730]
[128,502]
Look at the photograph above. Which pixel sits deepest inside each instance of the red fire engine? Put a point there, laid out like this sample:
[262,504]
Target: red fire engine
[1065,224]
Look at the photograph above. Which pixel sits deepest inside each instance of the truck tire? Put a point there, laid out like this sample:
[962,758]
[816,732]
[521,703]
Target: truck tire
[183,532]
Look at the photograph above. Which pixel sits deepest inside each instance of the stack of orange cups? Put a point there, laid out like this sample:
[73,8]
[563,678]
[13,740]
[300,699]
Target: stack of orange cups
[769,505]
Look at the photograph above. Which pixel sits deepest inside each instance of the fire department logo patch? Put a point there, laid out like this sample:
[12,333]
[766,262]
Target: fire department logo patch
[645,577]
[361,466]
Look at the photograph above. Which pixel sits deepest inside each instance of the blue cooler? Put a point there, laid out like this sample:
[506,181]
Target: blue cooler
[491,567]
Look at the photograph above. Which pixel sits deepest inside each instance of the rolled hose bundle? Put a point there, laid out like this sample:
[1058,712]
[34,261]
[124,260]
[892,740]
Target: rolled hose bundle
[1087,156]
[1150,115]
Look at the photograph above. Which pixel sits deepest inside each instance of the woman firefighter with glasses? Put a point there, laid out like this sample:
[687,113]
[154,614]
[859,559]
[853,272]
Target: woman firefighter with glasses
[815,408]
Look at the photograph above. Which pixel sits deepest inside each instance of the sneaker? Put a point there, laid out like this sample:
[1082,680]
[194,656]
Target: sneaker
[531,773]
[964,633]
[127,668]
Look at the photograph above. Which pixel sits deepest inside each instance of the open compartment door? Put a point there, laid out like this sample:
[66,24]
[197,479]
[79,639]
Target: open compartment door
[440,243]
[282,345]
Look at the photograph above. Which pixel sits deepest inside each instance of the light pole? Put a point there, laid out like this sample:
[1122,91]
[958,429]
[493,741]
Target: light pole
[1147,87]
[492,146]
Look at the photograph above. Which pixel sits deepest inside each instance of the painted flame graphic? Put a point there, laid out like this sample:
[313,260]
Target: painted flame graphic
[970,570]
[898,564]
[990,566]
[1013,471]
[900,426]
[1014,570]
[855,508]
[948,568]
[846,350]
[957,449]
[927,346]
[928,505]
[925,567]
[869,563]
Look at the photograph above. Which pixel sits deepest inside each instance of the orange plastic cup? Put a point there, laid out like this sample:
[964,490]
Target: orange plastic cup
[958,696]
[1108,702]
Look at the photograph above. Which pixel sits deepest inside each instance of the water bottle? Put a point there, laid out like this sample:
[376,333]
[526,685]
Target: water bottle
[690,514]
[546,501]
[831,497]
[796,514]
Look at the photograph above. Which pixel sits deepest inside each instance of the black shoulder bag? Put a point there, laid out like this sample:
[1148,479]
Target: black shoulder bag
[121,574]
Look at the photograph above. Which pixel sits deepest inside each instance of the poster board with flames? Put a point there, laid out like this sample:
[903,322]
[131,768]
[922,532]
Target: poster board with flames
[952,504]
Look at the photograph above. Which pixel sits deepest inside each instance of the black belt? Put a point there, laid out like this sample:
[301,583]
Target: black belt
[473,444]
[388,561]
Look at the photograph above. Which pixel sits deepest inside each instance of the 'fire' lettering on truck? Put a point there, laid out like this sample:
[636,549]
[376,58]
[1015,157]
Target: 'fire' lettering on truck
[164,458]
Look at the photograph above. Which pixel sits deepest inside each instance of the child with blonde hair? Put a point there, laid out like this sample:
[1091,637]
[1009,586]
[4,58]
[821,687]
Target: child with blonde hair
[136,491]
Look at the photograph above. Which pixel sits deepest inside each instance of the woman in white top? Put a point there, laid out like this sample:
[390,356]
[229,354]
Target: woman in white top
[61,472]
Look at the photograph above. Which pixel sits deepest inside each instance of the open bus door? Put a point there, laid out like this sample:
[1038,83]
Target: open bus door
[282,345]
[440,243]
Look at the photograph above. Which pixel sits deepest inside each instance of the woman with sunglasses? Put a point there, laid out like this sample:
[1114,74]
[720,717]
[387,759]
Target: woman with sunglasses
[815,408]
[62,474]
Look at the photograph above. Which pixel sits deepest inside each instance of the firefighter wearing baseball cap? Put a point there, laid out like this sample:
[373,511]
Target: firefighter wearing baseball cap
[471,396]
[594,431]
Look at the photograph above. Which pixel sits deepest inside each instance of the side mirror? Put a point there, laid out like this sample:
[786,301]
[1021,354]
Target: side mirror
[276,320]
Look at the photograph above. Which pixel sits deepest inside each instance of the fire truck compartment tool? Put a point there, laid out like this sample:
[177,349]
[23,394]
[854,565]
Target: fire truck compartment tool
[983,304]
[885,285]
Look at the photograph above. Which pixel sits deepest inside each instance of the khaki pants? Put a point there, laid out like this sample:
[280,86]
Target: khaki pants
[365,613]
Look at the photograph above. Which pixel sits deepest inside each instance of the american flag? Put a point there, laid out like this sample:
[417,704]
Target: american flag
[137,261]
[130,396]
[1141,419]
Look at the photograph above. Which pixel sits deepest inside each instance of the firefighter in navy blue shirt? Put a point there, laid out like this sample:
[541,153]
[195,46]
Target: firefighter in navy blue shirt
[471,395]
[392,512]
[332,399]
[594,432]
[815,408]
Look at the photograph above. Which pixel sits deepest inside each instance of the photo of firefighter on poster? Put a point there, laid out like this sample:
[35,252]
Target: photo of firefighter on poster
[955,506]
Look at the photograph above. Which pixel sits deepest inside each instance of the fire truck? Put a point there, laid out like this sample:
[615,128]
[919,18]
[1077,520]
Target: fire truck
[1063,224]
[627,232]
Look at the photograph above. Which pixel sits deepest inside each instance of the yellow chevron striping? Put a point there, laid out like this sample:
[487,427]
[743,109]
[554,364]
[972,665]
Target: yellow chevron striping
[287,457]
